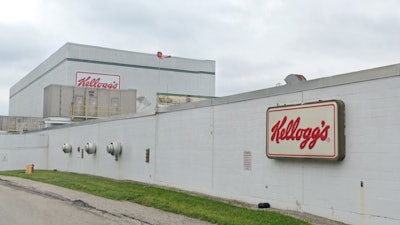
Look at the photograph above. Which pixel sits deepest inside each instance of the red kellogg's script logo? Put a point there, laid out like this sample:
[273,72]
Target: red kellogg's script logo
[96,83]
[291,131]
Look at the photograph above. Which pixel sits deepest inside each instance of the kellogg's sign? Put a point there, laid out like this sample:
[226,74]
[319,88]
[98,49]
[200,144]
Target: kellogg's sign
[312,130]
[95,80]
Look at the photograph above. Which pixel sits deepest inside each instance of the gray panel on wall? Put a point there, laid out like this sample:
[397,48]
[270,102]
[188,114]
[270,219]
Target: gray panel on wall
[66,96]
[60,101]
[51,106]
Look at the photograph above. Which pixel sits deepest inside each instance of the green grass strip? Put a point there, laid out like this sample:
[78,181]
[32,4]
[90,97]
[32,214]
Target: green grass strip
[168,200]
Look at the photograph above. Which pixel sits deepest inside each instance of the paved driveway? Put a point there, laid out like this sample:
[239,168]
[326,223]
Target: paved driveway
[27,202]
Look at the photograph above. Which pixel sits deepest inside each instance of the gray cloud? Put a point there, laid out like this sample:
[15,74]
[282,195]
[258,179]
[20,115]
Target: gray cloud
[19,42]
[255,43]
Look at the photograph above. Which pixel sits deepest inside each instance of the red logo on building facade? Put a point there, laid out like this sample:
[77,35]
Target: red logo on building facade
[93,80]
[310,130]
[292,132]
[96,83]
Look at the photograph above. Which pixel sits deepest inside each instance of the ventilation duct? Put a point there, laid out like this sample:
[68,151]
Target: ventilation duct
[141,103]
[115,149]
[90,148]
[67,148]
[294,79]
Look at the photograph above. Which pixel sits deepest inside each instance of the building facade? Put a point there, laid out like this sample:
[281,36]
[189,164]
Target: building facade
[96,67]
[339,162]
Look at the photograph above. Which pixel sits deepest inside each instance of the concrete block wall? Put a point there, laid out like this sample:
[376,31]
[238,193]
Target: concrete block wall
[371,156]
[17,151]
[218,147]
[184,156]
[136,135]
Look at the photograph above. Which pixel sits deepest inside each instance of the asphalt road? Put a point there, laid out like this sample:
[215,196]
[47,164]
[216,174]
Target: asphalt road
[20,207]
[25,202]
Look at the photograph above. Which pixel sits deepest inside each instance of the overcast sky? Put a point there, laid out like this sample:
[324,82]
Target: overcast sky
[255,43]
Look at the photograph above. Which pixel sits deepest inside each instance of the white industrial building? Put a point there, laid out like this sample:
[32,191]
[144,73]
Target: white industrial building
[96,67]
[327,146]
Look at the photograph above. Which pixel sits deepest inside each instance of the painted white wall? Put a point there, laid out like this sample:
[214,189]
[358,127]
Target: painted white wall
[135,135]
[28,101]
[184,154]
[201,149]
[241,127]
[17,151]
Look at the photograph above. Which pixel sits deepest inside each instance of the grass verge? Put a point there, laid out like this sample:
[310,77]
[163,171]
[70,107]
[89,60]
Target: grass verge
[172,201]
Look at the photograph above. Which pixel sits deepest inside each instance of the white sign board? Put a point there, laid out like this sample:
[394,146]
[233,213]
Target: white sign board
[314,130]
[96,80]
